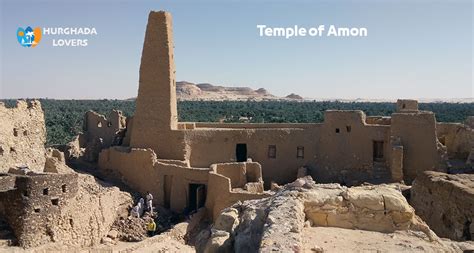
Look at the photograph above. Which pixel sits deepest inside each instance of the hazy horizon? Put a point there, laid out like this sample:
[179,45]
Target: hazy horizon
[421,49]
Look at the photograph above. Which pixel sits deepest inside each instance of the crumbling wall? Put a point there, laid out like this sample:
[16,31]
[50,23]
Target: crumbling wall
[133,166]
[446,203]
[71,209]
[417,133]
[22,136]
[378,120]
[33,202]
[220,194]
[458,139]
[346,148]
[167,180]
[236,172]
[101,132]
[470,121]
[56,162]
[174,182]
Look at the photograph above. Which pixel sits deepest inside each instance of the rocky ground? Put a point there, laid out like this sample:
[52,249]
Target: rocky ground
[296,218]
[299,217]
[332,239]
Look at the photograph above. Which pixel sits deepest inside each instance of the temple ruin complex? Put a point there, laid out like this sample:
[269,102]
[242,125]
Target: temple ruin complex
[190,164]
[240,187]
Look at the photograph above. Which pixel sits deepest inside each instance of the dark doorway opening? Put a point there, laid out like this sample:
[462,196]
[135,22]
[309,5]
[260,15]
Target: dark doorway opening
[167,190]
[197,196]
[378,150]
[241,152]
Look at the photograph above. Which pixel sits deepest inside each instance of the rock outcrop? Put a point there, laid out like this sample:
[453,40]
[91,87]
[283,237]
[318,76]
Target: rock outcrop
[276,223]
[446,203]
[294,96]
[206,91]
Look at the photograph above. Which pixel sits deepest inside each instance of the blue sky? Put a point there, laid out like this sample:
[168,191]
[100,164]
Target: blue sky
[415,49]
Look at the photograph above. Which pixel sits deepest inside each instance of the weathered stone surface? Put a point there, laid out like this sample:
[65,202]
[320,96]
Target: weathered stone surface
[276,223]
[219,241]
[228,220]
[70,209]
[446,203]
[22,136]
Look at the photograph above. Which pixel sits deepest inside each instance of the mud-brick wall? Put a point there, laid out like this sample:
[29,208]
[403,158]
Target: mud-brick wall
[7,182]
[446,203]
[22,136]
[458,139]
[417,133]
[35,204]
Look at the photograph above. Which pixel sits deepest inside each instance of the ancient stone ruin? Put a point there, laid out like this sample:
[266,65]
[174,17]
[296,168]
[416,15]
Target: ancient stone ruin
[42,200]
[240,187]
[177,161]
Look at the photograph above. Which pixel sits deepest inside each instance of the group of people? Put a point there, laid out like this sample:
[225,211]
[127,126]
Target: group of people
[139,209]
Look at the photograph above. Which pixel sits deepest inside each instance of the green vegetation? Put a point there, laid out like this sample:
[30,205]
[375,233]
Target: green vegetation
[64,117]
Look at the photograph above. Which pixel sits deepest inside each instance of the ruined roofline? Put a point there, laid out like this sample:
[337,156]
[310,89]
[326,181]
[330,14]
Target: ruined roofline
[23,104]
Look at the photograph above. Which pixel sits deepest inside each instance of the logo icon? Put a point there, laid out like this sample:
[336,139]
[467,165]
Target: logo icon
[28,37]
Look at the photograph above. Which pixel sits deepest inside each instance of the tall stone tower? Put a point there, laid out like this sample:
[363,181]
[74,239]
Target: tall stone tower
[156,109]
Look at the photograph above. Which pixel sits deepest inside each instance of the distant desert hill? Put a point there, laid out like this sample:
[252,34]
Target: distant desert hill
[294,96]
[206,91]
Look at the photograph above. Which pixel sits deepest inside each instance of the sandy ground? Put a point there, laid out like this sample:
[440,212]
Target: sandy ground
[331,239]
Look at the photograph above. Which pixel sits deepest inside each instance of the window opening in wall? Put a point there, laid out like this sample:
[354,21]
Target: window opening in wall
[25,133]
[337,130]
[99,124]
[55,201]
[300,152]
[378,150]
[37,209]
[348,129]
[241,152]
[64,188]
[15,132]
[403,106]
[12,150]
[45,191]
[272,151]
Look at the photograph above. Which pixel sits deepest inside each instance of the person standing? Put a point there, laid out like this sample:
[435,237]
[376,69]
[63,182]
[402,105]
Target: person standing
[149,202]
[151,227]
